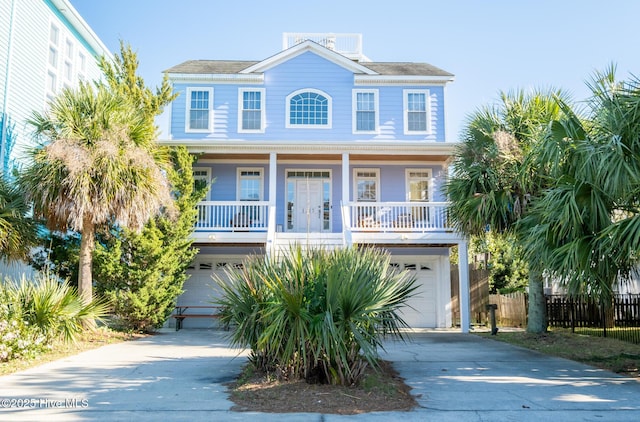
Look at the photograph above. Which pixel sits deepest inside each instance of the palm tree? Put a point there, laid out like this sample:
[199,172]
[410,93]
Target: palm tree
[17,230]
[586,226]
[96,166]
[492,179]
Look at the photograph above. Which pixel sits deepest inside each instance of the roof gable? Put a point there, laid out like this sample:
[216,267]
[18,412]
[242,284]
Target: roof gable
[304,47]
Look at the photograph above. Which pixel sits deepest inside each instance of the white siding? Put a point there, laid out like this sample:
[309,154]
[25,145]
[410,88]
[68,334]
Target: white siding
[28,67]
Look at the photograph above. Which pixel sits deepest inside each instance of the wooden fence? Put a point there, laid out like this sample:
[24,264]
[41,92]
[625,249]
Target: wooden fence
[512,309]
[479,294]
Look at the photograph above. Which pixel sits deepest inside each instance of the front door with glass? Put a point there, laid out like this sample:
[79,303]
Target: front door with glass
[309,206]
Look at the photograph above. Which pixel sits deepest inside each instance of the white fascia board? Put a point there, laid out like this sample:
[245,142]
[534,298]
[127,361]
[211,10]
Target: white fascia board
[83,28]
[305,147]
[303,47]
[214,77]
[402,80]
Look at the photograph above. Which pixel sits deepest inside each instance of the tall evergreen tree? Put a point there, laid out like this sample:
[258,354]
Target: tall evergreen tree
[143,273]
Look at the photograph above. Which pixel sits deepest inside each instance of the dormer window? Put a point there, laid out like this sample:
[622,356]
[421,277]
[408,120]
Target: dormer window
[308,108]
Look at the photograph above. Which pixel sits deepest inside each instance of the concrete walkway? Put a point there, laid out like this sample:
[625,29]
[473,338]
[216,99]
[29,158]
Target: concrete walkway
[180,375]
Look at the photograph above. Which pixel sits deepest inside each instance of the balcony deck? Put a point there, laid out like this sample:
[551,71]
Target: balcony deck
[362,222]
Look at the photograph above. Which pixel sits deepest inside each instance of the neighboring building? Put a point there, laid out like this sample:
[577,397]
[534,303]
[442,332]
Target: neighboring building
[45,45]
[320,146]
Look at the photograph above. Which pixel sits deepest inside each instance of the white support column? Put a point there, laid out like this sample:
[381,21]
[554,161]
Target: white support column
[346,214]
[464,297]
[273,176]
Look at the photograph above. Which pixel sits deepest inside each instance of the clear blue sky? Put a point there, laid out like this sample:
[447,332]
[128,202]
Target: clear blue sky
[490,45]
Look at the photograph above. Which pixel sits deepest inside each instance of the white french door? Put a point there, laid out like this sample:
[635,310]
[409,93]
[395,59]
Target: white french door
[309,207]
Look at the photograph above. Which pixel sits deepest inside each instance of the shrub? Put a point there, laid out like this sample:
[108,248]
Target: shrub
[17,338]
[46,309]
[315,314]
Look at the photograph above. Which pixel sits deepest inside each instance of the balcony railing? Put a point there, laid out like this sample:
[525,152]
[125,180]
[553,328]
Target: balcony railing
[364,216]
[232,216]
[398,216]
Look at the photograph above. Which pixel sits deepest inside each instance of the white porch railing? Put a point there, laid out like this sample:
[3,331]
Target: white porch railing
[232,216]
[398,216]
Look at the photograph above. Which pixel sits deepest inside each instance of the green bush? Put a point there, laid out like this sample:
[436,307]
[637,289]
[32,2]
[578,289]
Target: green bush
[315,314]
[18,339]
[35,313]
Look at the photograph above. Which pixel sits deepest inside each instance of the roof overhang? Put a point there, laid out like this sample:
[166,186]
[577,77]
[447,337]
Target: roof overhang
[319,147]
[401,80]
[304,47]
[217,78]
[91,40]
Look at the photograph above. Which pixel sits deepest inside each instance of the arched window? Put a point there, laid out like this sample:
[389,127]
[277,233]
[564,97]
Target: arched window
[309,108]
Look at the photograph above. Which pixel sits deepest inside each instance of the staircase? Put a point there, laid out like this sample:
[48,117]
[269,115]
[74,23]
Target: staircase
[284,241]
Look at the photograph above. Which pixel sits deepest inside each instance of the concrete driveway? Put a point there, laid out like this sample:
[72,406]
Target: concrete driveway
[180,376]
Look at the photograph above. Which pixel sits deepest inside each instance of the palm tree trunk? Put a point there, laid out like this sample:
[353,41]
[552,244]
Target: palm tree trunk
[87,243]
[537,318]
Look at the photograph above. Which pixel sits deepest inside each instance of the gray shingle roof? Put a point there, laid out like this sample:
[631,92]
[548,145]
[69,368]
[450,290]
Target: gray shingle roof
[228,67]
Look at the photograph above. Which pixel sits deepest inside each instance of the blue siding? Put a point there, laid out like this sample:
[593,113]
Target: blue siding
[308,70]
[392,184]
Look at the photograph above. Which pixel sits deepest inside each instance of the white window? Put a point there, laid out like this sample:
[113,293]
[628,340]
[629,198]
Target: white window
[366,185]
[53,57]
[418,185]
[365,111]
[54,37]
[251,112]
[417,112]
[69,49]
[82,62]
[309,108]
[199,116]
[54,34]
[51,83]
[68,60]
[250,182]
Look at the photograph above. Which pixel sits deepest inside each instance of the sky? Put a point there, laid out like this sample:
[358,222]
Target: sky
[491,46]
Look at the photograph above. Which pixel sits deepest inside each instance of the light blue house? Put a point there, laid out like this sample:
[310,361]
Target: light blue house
[45,45]
[321,146]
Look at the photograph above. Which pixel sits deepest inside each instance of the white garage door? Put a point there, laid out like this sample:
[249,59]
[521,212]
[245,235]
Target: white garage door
[200,289]
[422,311]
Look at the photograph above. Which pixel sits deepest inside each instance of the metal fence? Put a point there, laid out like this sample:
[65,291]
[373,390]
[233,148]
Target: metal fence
[587,316]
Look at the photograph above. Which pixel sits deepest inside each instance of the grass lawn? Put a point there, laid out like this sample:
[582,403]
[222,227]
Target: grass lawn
[606,353]
[86,341]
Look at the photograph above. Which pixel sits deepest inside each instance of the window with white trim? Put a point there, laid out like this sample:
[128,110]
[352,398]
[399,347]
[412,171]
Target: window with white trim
[251,112]
[365,111]
[308,108]
[199,116]
[417,110]
[418,185]
[68,60]
[250,183]
[366,185]
[81,66]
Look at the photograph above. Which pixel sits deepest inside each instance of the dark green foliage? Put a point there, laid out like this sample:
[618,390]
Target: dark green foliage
[142,273]
[58,255]
[508,271]
[17,229]
[315,314]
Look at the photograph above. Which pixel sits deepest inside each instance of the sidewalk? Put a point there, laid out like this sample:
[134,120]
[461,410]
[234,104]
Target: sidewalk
[181,375]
